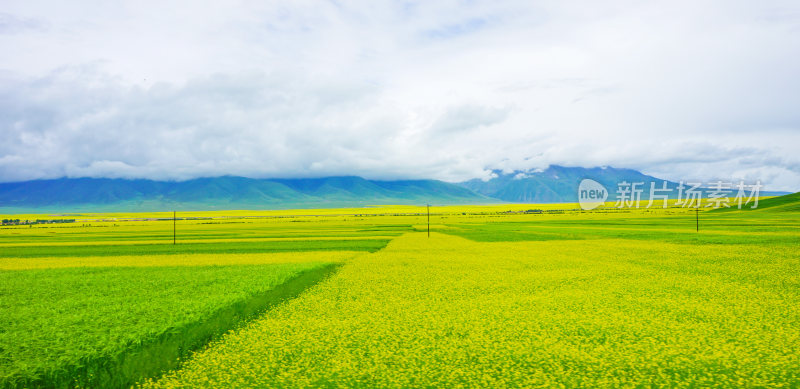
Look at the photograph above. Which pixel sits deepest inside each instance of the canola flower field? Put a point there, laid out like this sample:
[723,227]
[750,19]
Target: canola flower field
[497,296]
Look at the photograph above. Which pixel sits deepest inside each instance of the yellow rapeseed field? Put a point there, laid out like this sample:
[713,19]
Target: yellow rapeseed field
[449,312]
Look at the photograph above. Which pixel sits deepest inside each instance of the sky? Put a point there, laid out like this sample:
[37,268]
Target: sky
[447,90]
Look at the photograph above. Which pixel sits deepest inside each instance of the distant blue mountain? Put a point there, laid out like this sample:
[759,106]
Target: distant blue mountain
[104,194]
[554,184]
[559,184]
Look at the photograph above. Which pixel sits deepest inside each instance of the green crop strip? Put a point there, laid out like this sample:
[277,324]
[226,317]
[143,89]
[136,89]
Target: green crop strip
[370,245]
[143,355]
[715,229]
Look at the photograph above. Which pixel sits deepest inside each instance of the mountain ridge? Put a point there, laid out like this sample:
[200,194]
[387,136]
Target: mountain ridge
[559,184]
[551,185]
[226,192]
[554,184]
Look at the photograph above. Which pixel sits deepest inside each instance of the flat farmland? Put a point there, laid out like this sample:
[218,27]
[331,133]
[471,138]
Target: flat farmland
[496,296]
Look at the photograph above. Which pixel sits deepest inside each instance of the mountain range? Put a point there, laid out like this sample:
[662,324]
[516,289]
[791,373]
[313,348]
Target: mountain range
[554,184]
[558,184]
[122,195]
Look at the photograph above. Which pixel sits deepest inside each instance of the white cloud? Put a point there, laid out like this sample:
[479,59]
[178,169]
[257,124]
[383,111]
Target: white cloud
[442,90]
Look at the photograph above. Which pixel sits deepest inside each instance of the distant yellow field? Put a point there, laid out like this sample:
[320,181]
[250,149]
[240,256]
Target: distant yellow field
[372,210]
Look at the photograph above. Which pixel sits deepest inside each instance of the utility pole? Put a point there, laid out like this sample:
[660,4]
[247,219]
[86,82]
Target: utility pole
[174,234]
[697,217]
[429,220]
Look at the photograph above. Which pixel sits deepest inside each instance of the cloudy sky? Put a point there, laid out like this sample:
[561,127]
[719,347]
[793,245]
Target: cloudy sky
[385,90]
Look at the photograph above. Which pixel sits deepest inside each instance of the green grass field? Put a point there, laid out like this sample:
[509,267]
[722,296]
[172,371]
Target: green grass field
[495,297]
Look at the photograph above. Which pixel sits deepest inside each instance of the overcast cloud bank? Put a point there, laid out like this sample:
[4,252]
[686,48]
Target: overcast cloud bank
[680,90]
